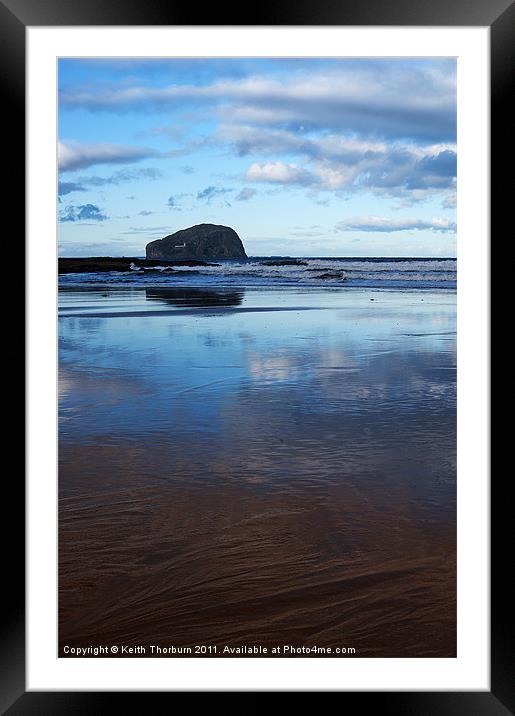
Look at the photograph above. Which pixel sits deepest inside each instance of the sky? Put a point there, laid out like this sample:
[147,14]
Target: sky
[302,157]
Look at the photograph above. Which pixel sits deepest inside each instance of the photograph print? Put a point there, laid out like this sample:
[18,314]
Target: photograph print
[257,357]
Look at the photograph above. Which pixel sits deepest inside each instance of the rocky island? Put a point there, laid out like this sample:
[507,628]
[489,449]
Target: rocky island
[204,241]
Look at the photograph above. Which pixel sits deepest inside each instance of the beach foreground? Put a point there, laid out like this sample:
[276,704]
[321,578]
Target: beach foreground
[258,467]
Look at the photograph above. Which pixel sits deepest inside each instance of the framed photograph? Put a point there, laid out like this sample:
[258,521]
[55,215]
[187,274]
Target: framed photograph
[258,325]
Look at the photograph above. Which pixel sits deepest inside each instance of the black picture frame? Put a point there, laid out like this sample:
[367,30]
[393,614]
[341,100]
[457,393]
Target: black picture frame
[15,17]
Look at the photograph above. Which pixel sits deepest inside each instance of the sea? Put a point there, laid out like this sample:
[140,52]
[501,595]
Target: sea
[273,271]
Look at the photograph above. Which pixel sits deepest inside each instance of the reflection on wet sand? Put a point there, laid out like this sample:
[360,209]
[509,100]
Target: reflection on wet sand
[194,297]
[273,479]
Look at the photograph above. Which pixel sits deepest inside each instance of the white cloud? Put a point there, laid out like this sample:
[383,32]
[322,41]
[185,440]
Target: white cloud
[334,164]
[76,155]
[450,201]
[382,98]
[386,225]
[278,173]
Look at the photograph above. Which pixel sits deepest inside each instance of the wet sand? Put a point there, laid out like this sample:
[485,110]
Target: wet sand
[258,477]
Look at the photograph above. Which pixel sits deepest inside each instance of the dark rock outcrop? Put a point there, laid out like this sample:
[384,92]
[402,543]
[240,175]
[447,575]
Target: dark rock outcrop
[285,262]
[334,275]
[205,241]
[95,264]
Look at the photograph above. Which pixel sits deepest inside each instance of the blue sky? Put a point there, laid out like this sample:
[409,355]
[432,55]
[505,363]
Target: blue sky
[302,157]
